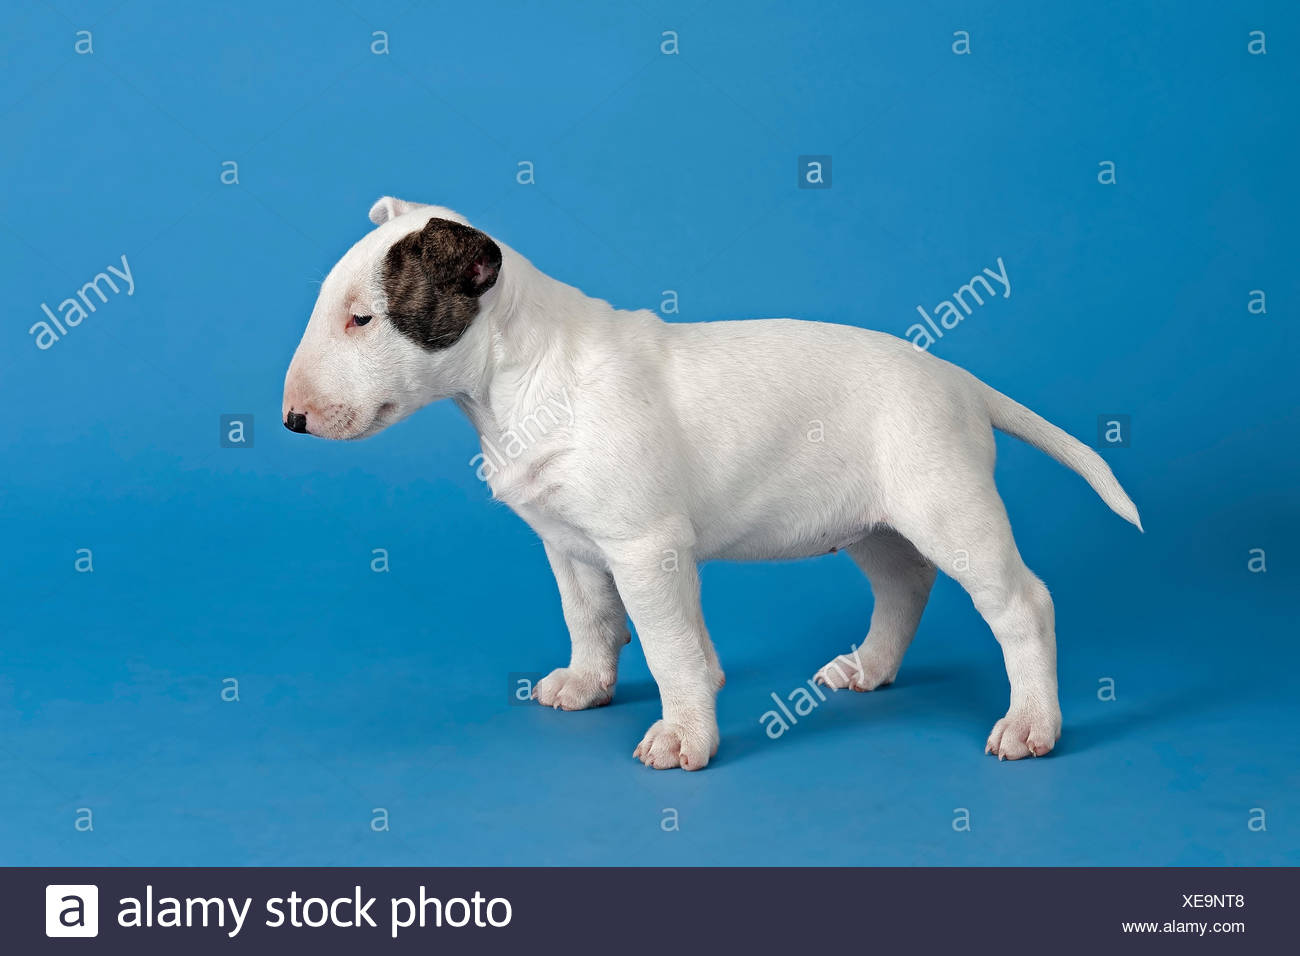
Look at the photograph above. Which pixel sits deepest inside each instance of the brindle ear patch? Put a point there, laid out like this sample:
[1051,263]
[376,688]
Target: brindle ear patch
[433,279]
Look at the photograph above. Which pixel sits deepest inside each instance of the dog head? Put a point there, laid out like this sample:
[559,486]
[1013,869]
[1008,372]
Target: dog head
[392,329]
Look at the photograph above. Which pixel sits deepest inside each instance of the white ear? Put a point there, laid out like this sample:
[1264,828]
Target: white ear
[390,208]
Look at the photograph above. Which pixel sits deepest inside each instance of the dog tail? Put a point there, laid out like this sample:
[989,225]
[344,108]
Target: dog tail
[1010,416]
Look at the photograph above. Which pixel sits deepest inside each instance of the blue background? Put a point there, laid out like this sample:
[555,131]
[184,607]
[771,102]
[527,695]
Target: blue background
[361,690]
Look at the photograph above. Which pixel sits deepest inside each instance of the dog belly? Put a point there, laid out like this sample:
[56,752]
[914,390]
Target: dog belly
[769,546]
[785,527]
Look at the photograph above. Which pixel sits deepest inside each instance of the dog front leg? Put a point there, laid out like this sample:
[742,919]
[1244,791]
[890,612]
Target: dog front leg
[660,587]
[597,625]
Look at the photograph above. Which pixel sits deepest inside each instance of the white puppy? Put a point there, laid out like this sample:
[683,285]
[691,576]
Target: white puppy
[681,443]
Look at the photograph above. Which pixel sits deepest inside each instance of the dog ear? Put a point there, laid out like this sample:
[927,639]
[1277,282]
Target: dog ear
[433,279]
[459,258]
[390,207]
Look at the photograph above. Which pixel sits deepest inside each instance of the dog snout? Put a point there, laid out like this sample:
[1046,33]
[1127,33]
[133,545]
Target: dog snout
[296,422]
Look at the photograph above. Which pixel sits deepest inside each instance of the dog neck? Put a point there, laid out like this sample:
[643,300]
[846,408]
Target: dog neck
[526,340]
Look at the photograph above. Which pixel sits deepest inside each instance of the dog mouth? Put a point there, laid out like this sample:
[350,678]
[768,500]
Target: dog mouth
[384,416]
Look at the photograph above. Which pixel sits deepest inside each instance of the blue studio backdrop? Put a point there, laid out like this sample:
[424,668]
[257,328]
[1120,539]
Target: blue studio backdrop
[227,644]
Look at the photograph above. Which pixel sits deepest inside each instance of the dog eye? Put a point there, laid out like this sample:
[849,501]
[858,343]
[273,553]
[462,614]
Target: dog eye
[361,319]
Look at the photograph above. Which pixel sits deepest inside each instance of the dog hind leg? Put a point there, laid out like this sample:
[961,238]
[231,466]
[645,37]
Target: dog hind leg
[961,525]
[901,579]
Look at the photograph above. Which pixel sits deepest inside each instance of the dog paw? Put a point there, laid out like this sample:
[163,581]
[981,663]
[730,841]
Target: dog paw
[566,689]
[667,745]
[1024,732]
[861,671]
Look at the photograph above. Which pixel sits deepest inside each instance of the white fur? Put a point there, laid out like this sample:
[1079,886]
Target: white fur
[760,439]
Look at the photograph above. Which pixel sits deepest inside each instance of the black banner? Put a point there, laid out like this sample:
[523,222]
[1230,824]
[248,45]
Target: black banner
[641,910]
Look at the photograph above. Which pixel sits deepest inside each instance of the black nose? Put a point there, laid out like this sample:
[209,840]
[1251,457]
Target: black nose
[296,422]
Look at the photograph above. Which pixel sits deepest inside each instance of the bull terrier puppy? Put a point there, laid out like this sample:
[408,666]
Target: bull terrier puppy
[687,442]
